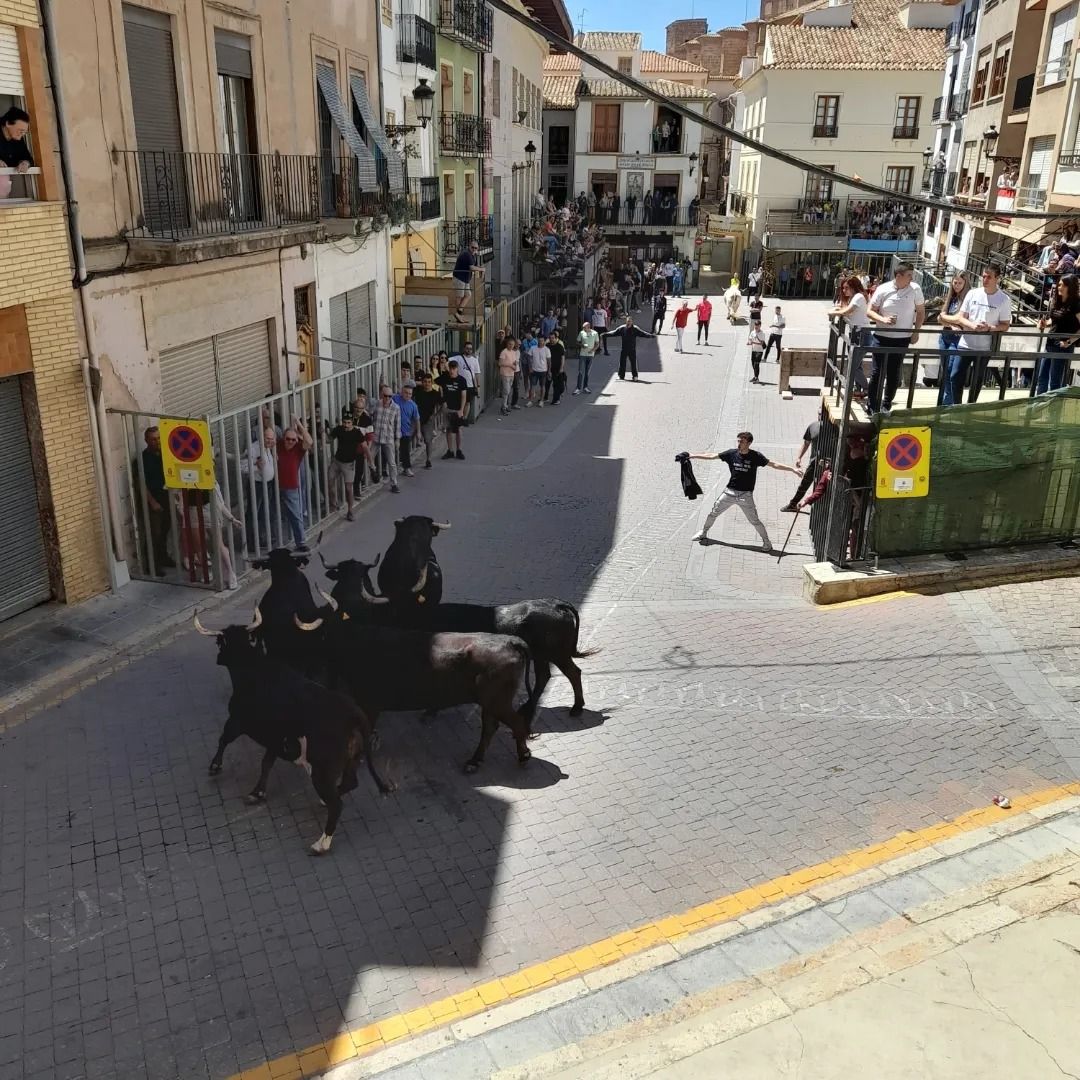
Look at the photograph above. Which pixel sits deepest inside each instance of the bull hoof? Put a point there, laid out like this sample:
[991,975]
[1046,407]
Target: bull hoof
[215,768]
[577,710]
[253,798]
[534,735]
[472,766]
[524,758]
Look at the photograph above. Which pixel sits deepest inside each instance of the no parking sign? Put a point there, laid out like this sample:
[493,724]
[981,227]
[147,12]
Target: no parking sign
[185,453]
[903,463]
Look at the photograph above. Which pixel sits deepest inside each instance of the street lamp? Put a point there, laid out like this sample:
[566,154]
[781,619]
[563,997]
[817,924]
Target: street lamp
[424,99]
[530,153]
[693,162]
[927,155]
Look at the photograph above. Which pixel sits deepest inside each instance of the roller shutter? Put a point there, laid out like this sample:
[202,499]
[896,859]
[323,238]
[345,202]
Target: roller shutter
[352,319]
[156,105]
[11,77]
[218,373]
[24,569]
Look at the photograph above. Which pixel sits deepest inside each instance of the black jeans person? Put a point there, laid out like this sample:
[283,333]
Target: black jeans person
[558,386]
[703,325]
[887,364]
[774,339]
[160,527]
[624,355]
[405,451]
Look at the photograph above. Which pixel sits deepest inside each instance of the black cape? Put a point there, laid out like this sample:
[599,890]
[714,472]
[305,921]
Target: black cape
[691,488]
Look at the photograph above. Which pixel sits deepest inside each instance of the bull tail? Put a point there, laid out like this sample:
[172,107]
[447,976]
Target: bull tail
[573,613]
[526,654]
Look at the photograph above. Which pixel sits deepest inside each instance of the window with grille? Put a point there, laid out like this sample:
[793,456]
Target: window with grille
[826,115]
[899,178]
[906,125]
[626,65]
[819,188]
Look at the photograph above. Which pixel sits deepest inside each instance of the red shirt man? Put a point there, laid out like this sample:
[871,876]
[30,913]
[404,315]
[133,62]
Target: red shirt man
[704,310]
[682,317]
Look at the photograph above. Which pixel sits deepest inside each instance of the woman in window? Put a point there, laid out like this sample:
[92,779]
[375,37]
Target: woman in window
[1064,321]
[953,365]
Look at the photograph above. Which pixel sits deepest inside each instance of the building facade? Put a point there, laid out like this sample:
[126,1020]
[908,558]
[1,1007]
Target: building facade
[638,161]
[52,528]
[848,87]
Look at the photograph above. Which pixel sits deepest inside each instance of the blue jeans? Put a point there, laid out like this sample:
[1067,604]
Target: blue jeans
[293,508]
[584,363]
[1053,371]
[951,373]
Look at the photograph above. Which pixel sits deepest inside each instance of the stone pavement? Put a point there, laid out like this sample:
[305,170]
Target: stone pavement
[151,924]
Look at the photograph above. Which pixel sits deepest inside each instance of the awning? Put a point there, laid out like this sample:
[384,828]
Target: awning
[395,173]
[365,162]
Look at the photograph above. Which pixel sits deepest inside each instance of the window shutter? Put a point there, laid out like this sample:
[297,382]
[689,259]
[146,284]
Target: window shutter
[11,77]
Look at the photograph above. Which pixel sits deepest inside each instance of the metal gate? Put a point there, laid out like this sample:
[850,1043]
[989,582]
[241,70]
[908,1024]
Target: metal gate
[24,570]
[218,372]
[351,324]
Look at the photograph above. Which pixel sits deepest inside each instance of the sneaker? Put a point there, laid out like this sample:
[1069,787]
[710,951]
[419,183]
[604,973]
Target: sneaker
[790,508]
[427,464]
[395,489]
[409,472]
[528,404]
[349,516]
[575,393]
[539,404]
[233,583]
[768,548]
[515,406]
[448,455]
[586,391]
[699,536]
[886,410]
[460,456]
[636,379]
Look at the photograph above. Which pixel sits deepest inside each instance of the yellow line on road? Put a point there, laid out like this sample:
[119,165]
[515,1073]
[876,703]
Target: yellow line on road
[876,599]
[363,1041]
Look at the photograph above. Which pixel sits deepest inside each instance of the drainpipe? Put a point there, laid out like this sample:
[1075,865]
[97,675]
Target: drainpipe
[110,514]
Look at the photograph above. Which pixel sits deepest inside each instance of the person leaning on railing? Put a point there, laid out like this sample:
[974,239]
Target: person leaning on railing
[985,311]
[952,365]
[1063,319]
[14,153]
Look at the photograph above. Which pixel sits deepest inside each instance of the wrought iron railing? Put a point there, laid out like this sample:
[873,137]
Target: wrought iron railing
[935,113]
[460,233]
[958,103]
[933,180]
[605,141]
[187,195]
[424,199]
[905,131]
[1056,69]
[825,131]
[636,213]
[464,135]
[1031,197]
[1070,160]
[467,21]
[340,190]
[416,41]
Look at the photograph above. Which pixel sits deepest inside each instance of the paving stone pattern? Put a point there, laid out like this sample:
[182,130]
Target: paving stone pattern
[153,925]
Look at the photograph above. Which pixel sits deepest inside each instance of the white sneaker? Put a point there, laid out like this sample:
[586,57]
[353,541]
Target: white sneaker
[540,405]
[528,404]
[586,391]
[575,393]
[703,535]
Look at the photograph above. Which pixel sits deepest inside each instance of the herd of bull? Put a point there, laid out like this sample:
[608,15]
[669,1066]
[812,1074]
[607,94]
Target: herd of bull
[310,680]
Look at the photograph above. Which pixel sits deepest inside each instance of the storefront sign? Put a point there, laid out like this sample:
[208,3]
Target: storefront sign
[638,161]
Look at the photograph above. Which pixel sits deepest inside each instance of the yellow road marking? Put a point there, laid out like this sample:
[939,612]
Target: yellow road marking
[361,1042]
[867,600]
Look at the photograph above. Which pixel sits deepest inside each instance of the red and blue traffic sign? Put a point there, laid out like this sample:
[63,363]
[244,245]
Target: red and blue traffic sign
[185,444]
[903,452]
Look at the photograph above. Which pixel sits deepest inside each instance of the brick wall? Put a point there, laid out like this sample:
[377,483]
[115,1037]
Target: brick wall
[34,249]
[679,31]
[19,12]
[720,53]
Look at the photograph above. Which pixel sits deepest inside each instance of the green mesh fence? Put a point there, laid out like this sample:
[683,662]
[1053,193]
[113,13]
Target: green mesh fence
[1001,472]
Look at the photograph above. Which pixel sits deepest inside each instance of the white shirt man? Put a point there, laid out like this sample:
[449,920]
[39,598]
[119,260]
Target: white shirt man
[985,311]
[897,310]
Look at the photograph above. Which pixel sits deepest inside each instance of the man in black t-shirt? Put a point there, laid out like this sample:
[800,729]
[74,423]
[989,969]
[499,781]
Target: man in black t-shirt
[454,389]
[346,439]
[809,438]
[556,369]
[743,464]
[428,398]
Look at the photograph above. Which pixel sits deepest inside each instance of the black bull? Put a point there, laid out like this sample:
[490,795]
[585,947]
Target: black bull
[550,627]
[410,574]
[389,669]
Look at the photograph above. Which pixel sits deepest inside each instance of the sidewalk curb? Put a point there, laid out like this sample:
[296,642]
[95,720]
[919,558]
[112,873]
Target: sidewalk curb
[897,916]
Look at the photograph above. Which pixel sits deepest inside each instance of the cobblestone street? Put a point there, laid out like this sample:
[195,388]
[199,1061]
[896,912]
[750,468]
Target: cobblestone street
[153,925]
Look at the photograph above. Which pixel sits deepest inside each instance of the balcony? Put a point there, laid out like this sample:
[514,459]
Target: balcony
[958,104]
[189,196]
[1055,70]
[605,141]
[825,131]
[424,201]
[935,114]
[18,187]
[905,131]
[1070,160]
[1031,197]
[739,203]
[460,233]
[558,159]
[1022,95]
[341,197]
[464,135]
[625,218]
[416,41]
[950,184]
[933,180]
[466,21]
[673,144]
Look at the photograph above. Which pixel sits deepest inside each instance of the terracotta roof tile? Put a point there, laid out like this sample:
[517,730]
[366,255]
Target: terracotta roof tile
[557,62]
[652,61]
[597,40]
[613,89]
[876,41]
[560,91]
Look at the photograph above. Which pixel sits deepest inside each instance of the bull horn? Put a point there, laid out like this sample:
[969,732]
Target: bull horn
[421,581]
[378,556]
[307,625]
[327,565]
[398,521]
[329,599]
[373,599]
[202,629]
[257,621]
[441,524]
